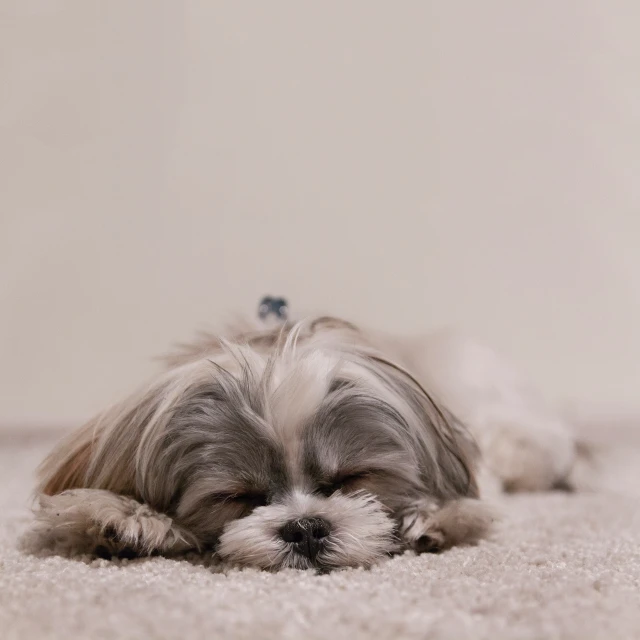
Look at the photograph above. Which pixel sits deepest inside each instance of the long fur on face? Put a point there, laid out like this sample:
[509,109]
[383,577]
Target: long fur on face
[238,438]
[361,533]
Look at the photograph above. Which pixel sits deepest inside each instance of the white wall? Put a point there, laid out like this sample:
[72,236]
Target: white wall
[413,164]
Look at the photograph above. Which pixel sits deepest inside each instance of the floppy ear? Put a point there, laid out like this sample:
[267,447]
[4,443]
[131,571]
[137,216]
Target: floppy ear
[442,438]
[118,450]
[102,454]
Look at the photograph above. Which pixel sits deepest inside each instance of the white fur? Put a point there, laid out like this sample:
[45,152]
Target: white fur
[523,440]
[75,522]
[361,533]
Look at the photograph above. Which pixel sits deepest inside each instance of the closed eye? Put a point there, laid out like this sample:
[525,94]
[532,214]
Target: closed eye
[341,482]
[251,499]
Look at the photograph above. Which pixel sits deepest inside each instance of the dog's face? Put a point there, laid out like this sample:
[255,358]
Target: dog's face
[309,473]
[302,456]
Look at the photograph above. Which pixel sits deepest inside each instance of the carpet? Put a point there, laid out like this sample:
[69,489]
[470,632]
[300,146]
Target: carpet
[559,565]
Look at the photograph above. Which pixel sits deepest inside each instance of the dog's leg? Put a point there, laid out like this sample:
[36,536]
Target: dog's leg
[526,455]
[102,523]
[427,527]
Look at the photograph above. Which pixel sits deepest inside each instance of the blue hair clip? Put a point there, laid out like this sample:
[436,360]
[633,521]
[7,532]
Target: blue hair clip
[276,307]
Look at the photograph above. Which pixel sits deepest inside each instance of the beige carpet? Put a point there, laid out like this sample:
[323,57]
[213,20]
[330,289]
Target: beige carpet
[560,566]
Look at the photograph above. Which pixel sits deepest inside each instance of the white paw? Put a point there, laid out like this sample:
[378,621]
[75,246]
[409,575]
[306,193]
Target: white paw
[432,529]
[96,522]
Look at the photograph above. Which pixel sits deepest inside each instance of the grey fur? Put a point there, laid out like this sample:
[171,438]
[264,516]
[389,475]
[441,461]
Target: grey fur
[239,437]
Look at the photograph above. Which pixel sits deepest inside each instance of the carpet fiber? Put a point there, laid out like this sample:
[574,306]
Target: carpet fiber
[559,566]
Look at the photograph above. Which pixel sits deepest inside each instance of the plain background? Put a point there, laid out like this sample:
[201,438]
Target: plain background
[408,165]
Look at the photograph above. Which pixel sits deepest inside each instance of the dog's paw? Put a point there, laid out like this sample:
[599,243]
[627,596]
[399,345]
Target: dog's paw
[134,530]
[416,528]
[102,523]
[422,536]
[430,528]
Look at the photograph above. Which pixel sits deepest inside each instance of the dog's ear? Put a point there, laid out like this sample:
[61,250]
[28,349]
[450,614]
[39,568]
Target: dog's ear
[449,452]
[102,454]
[119,450]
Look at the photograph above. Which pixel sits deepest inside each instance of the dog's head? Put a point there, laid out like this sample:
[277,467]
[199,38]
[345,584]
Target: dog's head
[299,450]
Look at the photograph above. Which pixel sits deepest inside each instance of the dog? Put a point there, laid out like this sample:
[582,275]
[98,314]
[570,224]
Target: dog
[310,445]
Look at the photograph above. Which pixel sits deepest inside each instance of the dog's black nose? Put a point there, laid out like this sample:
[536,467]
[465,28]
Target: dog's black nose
[306,534]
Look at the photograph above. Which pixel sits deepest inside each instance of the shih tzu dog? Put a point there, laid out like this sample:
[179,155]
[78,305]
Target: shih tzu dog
[307,445]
